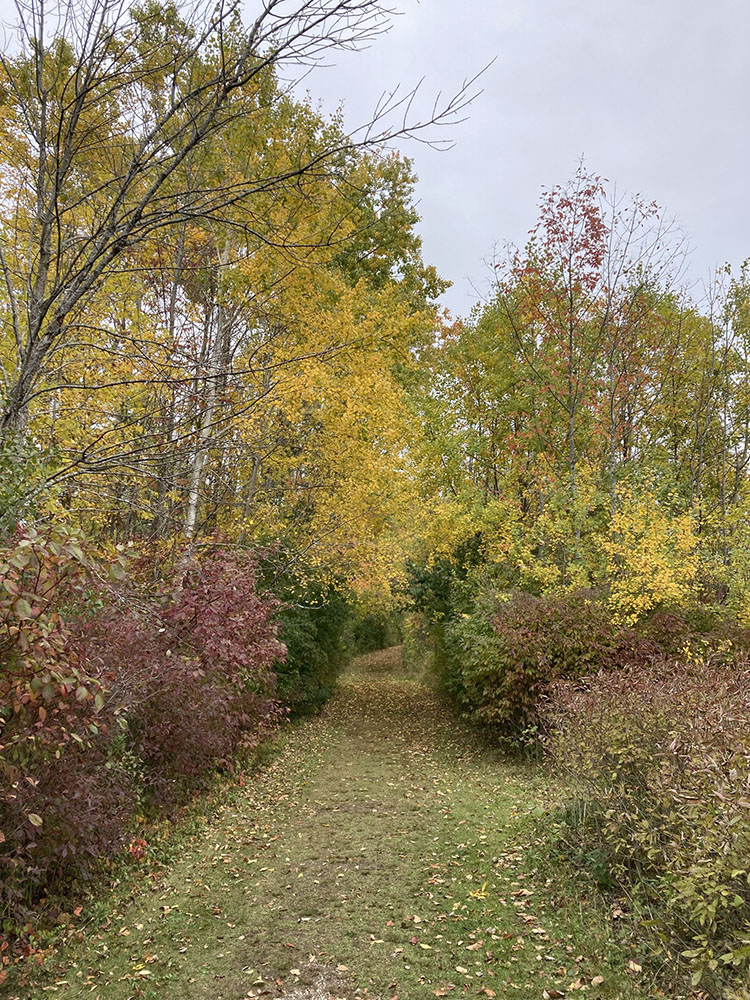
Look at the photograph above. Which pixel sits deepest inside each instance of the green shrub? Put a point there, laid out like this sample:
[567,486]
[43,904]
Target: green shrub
[371,631]
[314,633]
[437,593]
[23,471]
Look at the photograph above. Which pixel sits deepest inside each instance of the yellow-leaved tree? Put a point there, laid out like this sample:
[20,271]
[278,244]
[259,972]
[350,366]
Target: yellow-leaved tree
[652,556]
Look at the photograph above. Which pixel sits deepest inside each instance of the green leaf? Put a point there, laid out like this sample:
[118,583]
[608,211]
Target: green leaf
[116,571]
[22,608]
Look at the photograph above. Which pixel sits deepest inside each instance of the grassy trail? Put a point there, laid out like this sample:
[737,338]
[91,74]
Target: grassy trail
[383,853]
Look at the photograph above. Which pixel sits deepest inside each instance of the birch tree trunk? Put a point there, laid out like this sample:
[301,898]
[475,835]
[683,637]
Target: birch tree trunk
[216,374]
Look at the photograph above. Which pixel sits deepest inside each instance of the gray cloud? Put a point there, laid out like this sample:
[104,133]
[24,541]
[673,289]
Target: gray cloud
[654,93]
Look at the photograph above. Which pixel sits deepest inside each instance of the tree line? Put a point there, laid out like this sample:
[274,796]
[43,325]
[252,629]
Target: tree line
[592,418]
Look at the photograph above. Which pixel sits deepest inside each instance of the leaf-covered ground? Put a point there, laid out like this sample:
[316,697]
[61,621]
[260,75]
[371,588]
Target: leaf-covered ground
[382,853]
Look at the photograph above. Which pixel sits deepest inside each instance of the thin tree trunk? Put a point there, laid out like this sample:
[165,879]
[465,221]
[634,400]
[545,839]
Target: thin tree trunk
[216,354]
[204,431]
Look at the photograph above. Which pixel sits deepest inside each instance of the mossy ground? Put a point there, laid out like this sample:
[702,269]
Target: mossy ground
[383,852]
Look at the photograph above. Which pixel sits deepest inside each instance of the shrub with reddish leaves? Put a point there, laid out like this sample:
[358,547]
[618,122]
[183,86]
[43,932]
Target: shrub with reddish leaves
[58,805]
[112,696]
[658,758]
[198,681]
[508,651]
[222,622]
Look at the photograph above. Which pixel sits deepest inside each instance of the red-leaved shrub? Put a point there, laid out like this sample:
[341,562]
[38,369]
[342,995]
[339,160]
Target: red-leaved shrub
[504,655]
[510,649]
[658,759]
[195,677]
[113,697]
[57,805]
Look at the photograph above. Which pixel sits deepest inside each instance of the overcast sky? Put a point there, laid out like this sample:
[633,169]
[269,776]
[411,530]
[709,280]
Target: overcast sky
[654,93]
